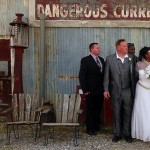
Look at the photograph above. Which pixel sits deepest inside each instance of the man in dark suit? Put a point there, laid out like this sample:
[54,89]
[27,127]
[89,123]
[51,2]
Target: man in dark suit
[131,50]
[119,86]
[91,80]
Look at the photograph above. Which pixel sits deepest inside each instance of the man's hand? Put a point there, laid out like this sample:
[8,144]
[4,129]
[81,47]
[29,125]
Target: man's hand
[87,93]
[106,95]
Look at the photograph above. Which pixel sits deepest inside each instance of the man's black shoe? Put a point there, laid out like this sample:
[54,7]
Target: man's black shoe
[128,139]
[116,139]
[91,133]
[97,130]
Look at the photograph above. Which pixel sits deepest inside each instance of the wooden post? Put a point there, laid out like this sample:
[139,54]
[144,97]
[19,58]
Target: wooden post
[18,85]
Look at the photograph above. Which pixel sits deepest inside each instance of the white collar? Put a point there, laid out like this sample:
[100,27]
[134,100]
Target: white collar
[126,56]
[94,56]
[122,59]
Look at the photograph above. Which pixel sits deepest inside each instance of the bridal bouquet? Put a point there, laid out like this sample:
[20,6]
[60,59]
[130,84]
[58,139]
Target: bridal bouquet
[147,72]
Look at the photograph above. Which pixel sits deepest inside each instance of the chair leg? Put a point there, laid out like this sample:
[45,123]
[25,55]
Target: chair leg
[46,136]
[49,134]
[52,135]
[8,134]
[39,130]
[78,132]
[36,132]
[15,131]
[75,136]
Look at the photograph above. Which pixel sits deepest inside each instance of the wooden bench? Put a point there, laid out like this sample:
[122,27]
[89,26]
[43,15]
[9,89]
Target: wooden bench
[23,114]
[67,111]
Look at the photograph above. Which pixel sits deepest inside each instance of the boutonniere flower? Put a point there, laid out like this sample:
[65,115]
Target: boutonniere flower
[130,59]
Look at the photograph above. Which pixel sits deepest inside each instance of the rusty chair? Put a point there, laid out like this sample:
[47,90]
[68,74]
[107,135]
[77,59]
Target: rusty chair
[23,113]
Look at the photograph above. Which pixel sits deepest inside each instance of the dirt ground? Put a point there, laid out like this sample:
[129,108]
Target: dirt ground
[63,140]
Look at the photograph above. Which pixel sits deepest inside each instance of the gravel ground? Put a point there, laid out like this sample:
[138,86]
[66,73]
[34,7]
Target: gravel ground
[63,141]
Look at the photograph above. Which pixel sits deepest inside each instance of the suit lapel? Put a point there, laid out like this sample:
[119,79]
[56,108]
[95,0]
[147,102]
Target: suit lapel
[115,61]
[93,61]
[130,64]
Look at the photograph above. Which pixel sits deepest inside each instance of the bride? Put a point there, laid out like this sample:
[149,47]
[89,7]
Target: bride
[141,110]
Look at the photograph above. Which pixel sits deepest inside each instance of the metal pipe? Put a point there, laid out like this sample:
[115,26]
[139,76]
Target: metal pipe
[42,57]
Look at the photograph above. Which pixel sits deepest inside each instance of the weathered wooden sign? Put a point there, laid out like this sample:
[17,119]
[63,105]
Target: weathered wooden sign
[93,9]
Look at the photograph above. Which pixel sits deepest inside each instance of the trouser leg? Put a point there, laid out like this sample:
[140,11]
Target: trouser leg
[127,111]
[89,113]
[98,110]
[117,111]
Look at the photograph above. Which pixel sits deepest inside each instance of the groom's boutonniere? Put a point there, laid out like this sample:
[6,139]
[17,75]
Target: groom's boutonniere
[130,59]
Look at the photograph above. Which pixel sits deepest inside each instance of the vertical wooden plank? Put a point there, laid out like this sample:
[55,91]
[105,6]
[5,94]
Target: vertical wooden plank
[15,107]
[77,107]
[33,107]
[28,107]
[33,103]
[21,107]
[32,116]
[58,108]
[65,108]
[71,108]
[36,100]
[35,115]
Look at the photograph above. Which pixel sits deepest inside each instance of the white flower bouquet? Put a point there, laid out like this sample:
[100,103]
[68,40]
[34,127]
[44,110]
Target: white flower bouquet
[147,72]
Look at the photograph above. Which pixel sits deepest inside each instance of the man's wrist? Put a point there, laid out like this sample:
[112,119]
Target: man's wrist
[87,93]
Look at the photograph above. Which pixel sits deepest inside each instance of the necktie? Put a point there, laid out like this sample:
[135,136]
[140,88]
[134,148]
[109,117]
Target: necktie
[98,63]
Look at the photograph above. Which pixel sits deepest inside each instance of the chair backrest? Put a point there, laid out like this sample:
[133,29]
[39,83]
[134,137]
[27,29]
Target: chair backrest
[24,107]
[67,108]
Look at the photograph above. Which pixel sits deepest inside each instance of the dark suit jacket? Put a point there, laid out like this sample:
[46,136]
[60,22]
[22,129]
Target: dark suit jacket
[112,81]
[90,77]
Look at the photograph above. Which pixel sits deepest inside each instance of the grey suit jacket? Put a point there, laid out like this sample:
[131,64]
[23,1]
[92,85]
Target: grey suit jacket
[112,82]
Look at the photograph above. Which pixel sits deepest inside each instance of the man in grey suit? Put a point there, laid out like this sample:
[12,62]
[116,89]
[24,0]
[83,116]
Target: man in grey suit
[119,87]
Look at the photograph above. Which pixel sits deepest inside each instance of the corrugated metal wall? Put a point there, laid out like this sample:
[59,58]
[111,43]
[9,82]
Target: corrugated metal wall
[8,9]
[66,46]
[64,49]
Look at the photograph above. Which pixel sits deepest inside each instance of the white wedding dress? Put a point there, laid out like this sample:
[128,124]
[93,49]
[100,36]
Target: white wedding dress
[141,111]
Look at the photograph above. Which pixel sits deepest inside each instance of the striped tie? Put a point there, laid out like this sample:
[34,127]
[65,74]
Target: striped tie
[99,64]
